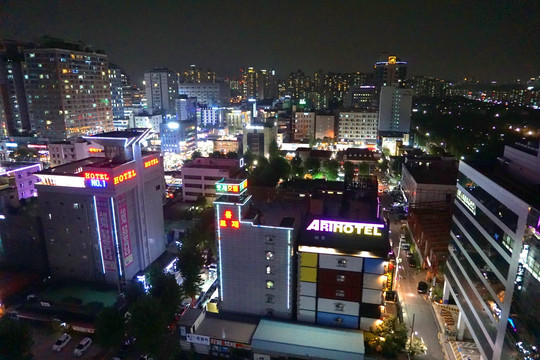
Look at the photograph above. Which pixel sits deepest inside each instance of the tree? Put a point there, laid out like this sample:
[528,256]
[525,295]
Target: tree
[330,169]
[190,262]
[297,171]
[196,154]
[280,167]
[312,165]
[15,340]
[165,288]
[273,150]
[363,168]
[248,158]
[232,155]
[418,346]
[348,169]
[147,324]
[110,328]
[391,336]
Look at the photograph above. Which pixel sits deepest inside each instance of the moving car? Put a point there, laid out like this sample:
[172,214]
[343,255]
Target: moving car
[61,342]
[422,287]
[82,346]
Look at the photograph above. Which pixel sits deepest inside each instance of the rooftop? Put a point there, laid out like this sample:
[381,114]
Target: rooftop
[439,172]
[8,166]
[231,327]
[308,341]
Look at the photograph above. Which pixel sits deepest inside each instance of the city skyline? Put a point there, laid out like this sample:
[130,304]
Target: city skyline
[450,41]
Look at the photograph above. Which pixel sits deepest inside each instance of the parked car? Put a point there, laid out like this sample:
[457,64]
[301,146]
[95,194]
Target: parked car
[422,287]
[82,346]
[61,342]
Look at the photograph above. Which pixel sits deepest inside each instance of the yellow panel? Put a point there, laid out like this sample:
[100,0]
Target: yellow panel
[308,259]
[308,274]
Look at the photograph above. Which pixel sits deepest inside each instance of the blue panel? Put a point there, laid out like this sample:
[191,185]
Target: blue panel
[374,266]
[337,320]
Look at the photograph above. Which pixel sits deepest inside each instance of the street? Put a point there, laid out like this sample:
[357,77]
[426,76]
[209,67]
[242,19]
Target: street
[425,324]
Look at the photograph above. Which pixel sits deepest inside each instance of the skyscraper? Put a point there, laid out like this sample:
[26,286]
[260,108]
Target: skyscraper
[389,71]
[161,89]
[395,109]
[68,92]
[14,118]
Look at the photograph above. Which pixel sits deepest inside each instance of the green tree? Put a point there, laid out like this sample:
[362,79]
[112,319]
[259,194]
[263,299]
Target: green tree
[395,165]
[165,288]
[348,169]
[232,155]
[391,336]
[15,340]
[280,168]
[110,328]
[196,154]
[418,346]
[148,324]
[217,155]
[248,158]
[190,263]
[273,150]
[363,168]
[297,171]
[312,165]
[330,169]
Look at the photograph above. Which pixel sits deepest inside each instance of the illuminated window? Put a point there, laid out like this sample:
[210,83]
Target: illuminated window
[269,270]
[340,278]
[269,255]
[269,284]
[342,263]
[338,306]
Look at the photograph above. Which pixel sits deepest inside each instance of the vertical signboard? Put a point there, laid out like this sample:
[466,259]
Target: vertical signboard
[105,232]
[124,230]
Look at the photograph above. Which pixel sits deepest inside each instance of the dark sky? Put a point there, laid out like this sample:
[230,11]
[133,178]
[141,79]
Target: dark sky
[489,40]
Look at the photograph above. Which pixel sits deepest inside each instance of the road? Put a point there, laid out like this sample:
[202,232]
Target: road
[425,323]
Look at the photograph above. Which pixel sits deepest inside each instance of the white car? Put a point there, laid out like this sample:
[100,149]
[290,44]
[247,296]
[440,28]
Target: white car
[83,346]
[61,342]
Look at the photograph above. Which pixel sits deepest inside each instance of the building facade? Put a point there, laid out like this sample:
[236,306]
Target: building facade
[389,71]
[210,94]
[325,126]
[20,175]
[358,127]
[63,152]
[257,139]
[68,93]
[199,176]
[178,137]
[304,126]
[493,271]
[102,217]
[395,108]
[161,86]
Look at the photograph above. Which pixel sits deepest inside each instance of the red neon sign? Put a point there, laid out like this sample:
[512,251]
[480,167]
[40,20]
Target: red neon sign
[151,162]
[125,176]
[96,175]
[94,150]
[228,220]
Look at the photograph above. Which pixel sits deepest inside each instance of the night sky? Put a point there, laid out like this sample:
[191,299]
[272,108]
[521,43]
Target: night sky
[488,40]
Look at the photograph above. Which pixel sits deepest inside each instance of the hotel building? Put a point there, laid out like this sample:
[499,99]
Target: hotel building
[102,217]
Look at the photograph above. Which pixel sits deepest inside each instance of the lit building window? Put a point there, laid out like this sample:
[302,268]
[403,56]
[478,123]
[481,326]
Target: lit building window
[269,284]
[269,270]
[269,255]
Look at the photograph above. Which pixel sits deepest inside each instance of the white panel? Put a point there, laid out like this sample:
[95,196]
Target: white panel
[307,303]
[373,281]
[372,296]
[366,324]
[338,307]
[306,316]
[336,262]
[308,288]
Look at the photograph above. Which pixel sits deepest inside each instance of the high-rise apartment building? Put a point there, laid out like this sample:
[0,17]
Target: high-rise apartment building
[102,217]
[389,71]
[161,87]
[395,108]
[14,117]
[358,127]
[68,92]
[117,80]
[325,126]
[493,271]
[210,94]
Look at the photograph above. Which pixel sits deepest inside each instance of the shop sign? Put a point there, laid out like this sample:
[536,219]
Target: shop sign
[346,227]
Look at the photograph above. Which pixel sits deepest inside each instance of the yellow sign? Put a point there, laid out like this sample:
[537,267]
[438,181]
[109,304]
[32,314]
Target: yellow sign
[392,60]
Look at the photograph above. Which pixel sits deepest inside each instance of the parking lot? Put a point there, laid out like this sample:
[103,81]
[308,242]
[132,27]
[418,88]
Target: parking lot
[44,338]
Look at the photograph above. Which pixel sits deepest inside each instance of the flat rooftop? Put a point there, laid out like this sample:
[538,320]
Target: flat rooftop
[433,174]
[8,166]
[231,327]
[307,341]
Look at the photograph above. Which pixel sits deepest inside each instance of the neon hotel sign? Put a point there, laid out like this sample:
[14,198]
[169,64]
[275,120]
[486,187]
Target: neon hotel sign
[346,227]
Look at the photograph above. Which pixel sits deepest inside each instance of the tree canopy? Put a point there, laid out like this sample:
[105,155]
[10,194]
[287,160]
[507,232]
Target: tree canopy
[330,169]
[147,324]
[15,340]
[110,328]
[391,336]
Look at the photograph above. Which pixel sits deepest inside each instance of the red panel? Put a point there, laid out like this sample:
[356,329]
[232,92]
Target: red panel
[339,292]
[340,278]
